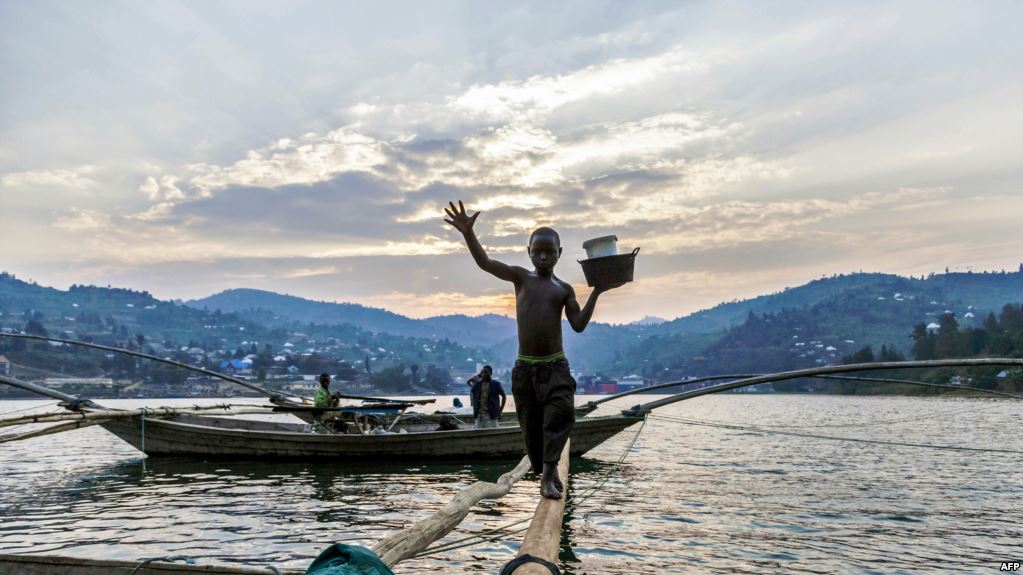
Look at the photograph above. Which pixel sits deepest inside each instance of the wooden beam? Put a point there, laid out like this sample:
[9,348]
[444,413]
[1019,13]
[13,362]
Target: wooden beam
[414,539]
[543,539]
[151,412]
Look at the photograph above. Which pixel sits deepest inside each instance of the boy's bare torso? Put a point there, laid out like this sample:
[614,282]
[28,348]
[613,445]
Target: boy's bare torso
[539,302]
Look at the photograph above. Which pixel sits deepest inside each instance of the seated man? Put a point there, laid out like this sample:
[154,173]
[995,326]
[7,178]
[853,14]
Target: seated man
[488,399]
[323,397]
[326,422]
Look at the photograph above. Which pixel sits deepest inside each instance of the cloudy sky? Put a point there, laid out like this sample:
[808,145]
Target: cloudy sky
[309,147]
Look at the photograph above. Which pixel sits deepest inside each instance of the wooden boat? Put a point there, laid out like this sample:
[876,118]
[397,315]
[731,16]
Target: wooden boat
[188,434]
[200,435]
[57,565]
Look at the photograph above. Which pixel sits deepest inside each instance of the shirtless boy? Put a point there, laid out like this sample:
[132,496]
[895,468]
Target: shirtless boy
[542,385]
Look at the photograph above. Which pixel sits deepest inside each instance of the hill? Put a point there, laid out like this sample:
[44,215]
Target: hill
[982,290]
[136,320]
[484,330]
[817,323]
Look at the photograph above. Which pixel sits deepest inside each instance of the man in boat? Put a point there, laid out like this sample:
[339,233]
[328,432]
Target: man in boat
[542,383]
[323,397]
[488,398]
[326,422]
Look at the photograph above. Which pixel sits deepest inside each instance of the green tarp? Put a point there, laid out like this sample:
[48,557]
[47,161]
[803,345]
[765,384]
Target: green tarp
[340,559]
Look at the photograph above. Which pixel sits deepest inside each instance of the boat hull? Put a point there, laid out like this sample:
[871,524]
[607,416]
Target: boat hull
[194,437]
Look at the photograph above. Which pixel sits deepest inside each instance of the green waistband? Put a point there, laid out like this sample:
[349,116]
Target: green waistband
[544,359]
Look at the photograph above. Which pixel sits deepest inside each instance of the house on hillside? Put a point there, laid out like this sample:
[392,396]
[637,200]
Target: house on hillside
[237,367]
[5,366]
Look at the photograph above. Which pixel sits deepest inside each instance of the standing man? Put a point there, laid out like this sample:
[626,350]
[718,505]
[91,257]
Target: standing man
[488,398]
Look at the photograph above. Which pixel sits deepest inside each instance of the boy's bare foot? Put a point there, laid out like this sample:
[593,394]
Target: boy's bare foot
[550,484]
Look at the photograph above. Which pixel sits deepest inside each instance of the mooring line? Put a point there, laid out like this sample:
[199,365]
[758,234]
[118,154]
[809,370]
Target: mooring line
[6,413]
[857,424]
[834,438]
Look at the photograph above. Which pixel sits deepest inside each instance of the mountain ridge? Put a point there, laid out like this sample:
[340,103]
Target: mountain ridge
[839,306]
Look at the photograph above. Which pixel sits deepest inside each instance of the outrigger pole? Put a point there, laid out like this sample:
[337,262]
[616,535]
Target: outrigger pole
[70,400]
[592,405]
[828,370]
[540,547]
[272,394]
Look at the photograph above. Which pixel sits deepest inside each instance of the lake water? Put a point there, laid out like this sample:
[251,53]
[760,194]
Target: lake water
[687,499]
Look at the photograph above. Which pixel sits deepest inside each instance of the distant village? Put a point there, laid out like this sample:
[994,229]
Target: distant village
[293,370]
[364,362]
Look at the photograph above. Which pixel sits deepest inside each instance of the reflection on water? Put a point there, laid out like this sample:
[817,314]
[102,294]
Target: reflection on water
[687,499]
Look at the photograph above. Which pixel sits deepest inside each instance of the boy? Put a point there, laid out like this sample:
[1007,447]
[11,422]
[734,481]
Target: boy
[542,385]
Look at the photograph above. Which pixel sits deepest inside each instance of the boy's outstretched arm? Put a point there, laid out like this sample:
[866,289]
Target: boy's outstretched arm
[580,318]
[463,223]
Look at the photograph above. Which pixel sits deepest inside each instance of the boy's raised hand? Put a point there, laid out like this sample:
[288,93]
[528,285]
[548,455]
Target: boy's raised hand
[459,219]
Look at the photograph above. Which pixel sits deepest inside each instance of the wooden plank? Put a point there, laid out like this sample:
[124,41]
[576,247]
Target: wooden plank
[543,539]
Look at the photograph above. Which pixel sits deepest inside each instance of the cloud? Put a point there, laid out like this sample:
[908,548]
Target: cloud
[444,303]
[165,190]
[311,159]
[714,136]
[74,178]
[538,96]
[309,272]
[83,220]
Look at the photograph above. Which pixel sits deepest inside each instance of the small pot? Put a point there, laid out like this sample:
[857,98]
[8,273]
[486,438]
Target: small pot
[601,247]
[609,270]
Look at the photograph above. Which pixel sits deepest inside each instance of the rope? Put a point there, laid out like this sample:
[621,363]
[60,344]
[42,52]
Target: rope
[614,468]
[143,428]
[267,392]
[859,424]
[10,432]
[30,408]
[43,370]
[834,438]
[502,532]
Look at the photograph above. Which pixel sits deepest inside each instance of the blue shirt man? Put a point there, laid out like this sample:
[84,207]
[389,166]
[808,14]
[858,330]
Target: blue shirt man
[488,398]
